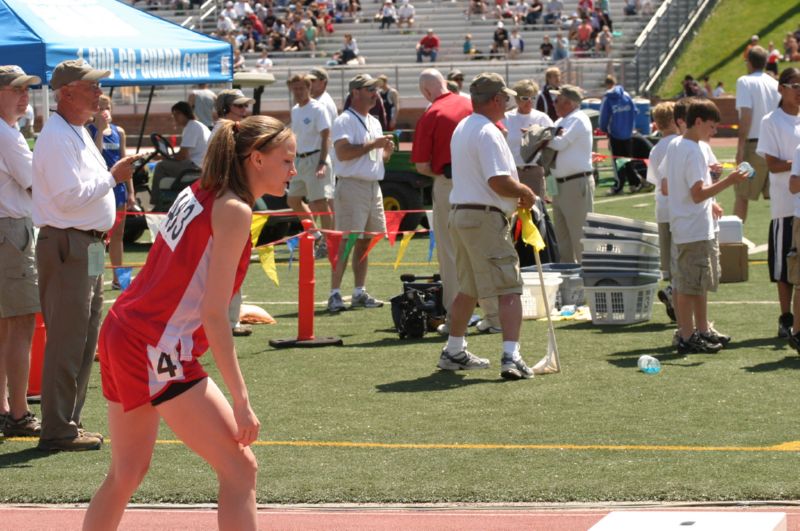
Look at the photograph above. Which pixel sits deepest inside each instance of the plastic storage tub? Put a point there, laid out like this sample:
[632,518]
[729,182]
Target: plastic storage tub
[594,233]
[619,223]
[533,306]
[613,246]
[617,305]
[571,290]
[593,279]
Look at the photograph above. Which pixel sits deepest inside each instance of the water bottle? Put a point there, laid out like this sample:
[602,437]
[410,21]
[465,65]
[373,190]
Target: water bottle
[568,310]
[649,365]
[745,167]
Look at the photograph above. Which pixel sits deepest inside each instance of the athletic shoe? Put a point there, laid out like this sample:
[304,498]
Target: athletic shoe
[365,300]
[115,285]
[636,188]
[646,187]
[80,443]
[335,303]
[697,345]
[665,296]
[785,322]
[96,435]
[511,369]
[462,361]
[714,336]
[614,191]
[27,426]
[443,329]
[241,330]
[794,340]
[485,327]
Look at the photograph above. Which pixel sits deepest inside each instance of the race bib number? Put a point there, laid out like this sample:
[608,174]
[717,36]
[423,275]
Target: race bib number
[164,366]
[185,208]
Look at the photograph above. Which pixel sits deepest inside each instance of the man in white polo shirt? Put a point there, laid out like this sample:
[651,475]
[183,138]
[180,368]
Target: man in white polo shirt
[360,150]
[19,296]
[319,91]
[73,204]
[314,180]
[486,193]
[572,172]
[756,95]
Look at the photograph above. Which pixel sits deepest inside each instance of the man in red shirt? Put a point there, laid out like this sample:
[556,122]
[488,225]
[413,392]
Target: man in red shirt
[428,46]
[431,155]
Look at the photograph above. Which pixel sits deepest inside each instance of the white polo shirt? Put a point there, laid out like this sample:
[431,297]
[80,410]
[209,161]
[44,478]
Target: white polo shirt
[358,129]
[308,122]
[656,176]
[688,221]
[516,122]
[195,137]
[479,151]
[16,173]
[574,145]
[330,106]
[780,136]
[71,185]
[759,92]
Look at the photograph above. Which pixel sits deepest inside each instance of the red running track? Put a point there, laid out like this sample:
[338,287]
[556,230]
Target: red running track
[354,518]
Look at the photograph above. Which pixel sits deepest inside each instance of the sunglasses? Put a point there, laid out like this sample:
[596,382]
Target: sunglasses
[239,105]
[793,86]
[370,89]
[524,98]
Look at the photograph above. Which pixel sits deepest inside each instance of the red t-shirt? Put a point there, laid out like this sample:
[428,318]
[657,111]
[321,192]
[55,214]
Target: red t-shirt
[435,129]
[430,42]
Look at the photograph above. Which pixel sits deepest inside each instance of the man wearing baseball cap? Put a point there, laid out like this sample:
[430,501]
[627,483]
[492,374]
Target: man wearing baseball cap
[319,91]
[573,172]
[360,151]
[457,76]
[19,295]
[73,204]
[486,193]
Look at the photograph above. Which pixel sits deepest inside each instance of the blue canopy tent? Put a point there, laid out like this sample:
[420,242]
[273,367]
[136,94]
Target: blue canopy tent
[137,47]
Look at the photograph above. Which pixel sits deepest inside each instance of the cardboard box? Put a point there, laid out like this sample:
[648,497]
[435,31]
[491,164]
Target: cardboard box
[733,262]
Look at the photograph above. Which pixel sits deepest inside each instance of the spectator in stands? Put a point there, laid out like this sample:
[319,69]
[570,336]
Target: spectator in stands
[428,46]
[707,90]
[561,50]
[546,48]
[19,295]
[584,36]
[690,87]
[225,25]
[238,61]
[515,44]
[753,42]
[202,100]
[349,51]
[264,63]
[534,13]
[476,7]
[602,17]
[519,12]
[110,140]
[631,7]
[457,76]
[387,15]
[773,57]
[391,102]
[617,118]
[552,12]
[405,14]
[572,26]
[719,90]
[269,20]
[252,38]
[230,12]
[468,47]
[603,42]
[585,8]
[502,9]
[242,8]
[545,100]
[647,8]
[500,45]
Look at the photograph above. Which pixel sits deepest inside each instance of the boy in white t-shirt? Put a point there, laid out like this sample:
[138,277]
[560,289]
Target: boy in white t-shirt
[691,218]
[663,115]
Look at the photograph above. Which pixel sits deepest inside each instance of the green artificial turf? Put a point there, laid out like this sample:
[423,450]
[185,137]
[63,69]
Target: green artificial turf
[705,428]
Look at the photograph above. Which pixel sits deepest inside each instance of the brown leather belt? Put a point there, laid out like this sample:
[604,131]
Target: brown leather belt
[308,154]
[91,233]
[575,176]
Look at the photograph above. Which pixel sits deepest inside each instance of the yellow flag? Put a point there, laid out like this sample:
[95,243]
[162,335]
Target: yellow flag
[267,257]
[530,234]
[403,246]
[257,225]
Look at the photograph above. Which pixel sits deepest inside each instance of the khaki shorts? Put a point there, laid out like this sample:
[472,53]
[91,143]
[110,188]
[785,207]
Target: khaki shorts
[486,261]
[698,268]
[307,184]
[759,184]
[665,246]
[792,260]
[19,293]
[533,178]
[358,205]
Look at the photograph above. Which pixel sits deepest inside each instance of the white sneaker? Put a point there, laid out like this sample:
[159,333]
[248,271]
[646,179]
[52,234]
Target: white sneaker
[335,303]
[485,327]
[462,361]
[511,369]
[365,300]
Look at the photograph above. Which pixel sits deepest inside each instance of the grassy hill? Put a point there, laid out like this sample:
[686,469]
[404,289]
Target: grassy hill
[717,48]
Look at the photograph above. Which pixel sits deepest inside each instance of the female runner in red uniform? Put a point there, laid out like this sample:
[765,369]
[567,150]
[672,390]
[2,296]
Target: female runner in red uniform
[175,310]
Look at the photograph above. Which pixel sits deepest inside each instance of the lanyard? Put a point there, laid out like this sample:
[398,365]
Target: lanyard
[83,142]
[354,113]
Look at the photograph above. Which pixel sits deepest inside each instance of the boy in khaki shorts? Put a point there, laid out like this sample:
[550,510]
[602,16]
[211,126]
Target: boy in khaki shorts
[793,263]
[692,212]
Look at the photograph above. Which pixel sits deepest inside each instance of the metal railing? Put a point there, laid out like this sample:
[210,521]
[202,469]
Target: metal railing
[664,37]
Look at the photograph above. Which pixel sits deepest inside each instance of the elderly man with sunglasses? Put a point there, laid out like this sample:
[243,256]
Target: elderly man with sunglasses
[73,204]
[523,117]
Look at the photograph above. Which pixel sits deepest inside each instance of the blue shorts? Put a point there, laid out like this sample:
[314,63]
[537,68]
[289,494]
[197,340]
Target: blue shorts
[120,195]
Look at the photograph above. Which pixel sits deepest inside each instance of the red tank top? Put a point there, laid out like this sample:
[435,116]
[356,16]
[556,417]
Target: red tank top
[162,304]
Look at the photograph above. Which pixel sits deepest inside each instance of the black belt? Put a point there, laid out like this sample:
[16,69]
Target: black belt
[304,155]
[752,140]
[575,176]
[486,208]
[92,233]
